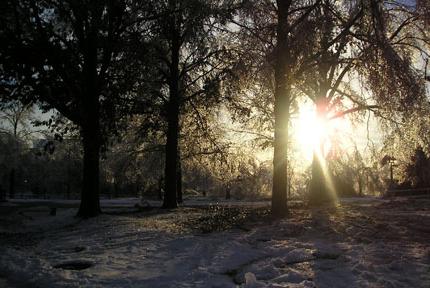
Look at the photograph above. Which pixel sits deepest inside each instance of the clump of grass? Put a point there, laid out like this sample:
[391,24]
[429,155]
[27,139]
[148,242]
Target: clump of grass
[220,218]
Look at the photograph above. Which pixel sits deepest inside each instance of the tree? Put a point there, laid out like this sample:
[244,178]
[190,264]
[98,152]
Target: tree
[281,32]
[67,55]
[191,66]
[331,61]
[282,108]
[323,55]
[406,142]
[362,33]
[417,171]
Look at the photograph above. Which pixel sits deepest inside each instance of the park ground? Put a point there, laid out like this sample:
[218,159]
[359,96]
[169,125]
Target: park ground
[363,242]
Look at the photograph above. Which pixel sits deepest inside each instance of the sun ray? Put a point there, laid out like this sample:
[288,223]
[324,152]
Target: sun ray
[327,175]
[320,138]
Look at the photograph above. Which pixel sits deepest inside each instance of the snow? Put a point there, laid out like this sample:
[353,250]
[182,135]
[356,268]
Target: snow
[359,244]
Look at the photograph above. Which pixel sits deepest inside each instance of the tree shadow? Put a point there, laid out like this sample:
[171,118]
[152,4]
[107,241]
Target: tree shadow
[361,245]
[330,267]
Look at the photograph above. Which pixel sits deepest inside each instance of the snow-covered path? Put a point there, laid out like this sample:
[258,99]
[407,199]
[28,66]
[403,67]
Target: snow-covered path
[360,244]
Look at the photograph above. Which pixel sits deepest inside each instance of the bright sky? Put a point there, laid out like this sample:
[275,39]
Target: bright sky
[306,131]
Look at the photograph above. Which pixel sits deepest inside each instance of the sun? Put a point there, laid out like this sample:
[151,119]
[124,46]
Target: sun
[312,133]
[309,131]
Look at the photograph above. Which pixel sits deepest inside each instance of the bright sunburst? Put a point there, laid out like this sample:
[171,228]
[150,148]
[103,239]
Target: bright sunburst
[310,131]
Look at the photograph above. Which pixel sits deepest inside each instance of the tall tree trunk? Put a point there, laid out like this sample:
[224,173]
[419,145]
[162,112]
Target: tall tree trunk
[115,187]
[170,193]
[90,131]
[12,183]
[360,185]
[160,188]
[228,192]
[318,191]
[179,180]
[2,193]
[68,178]
[279,189]
[321,192]
[68,189]
[170,200]
[90,199]
[282,107]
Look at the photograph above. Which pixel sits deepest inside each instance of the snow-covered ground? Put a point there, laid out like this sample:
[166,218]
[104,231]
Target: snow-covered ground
[361,243]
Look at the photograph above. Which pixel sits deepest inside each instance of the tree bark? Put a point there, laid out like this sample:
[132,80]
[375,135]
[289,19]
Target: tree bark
[90,133]
[90,199]
[115,188]
[160,188]
[279,189]
[2,194]
[282,107]
[170,192]
[170,200]
[68,172]
[179,180]
[360,186]
[12,183]
[228,192]
[321,192]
